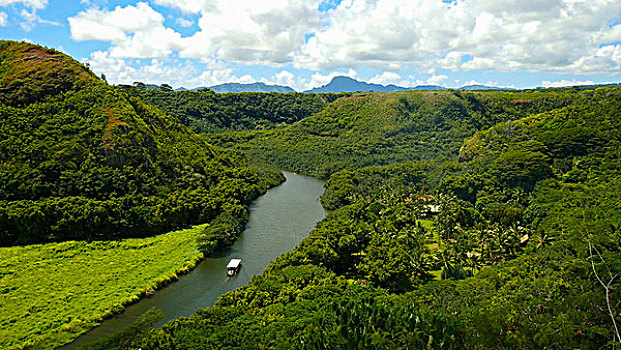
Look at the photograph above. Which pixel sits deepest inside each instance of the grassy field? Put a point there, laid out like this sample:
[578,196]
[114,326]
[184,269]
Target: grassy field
[51,293]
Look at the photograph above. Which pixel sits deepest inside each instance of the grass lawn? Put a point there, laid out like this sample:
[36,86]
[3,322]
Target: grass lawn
[51,293]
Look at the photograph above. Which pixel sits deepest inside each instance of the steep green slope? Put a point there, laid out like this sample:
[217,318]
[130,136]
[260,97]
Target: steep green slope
[29,73]
[80,159]
[210,112]
[384,128]
[363,278]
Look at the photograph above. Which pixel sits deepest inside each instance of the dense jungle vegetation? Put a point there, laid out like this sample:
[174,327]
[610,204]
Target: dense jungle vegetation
[506,239]
[459,220]
[80,159]
[210,112]
[387,128]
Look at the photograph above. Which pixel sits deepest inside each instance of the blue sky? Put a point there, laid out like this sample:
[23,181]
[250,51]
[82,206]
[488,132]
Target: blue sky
[304,43]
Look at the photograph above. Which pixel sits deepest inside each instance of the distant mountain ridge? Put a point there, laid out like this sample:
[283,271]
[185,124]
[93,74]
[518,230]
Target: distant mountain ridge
[347,84]
[483,87]
[237,87]
[336,85]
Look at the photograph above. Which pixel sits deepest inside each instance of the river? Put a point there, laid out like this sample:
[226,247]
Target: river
[279,220]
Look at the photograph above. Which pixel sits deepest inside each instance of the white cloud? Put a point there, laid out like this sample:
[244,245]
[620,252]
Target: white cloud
[472,82]
[436,79]
[302,84]
[479,63]
[157,71]
[284,77]
[562,36]
[94,24]
[28,13]
[452,61]
[188,6]
[35,4]
[30,19]
[387,78]
[265,32]
[186,23]
[563,83]
[318,79]
[531,35]
[135,31]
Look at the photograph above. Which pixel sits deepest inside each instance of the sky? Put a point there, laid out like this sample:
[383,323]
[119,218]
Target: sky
[304,43]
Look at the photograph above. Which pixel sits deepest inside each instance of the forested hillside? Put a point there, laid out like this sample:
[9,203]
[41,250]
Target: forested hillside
[384,128]
[458,220]
[81,159]
[512,242]
[209,112]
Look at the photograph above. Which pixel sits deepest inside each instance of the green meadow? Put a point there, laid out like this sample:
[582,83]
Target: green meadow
[51,293]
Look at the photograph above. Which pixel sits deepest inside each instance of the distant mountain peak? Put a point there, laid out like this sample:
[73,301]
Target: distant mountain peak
[250,87]
[343,83]
[478,87]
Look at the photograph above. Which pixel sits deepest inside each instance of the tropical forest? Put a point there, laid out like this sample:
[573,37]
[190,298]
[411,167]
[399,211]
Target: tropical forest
[432,218]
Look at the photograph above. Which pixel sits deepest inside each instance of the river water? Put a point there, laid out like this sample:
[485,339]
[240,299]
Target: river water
[279,220]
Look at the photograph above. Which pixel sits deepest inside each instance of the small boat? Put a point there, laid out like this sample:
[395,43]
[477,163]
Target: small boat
[233,267]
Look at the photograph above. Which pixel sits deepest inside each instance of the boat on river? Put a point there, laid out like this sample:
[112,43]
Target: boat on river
[233,267]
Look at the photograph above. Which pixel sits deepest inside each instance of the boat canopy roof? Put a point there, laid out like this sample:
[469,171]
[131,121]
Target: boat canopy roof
[233,264]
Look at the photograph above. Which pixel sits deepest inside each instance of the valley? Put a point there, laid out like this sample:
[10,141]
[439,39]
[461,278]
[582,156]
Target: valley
[455,219]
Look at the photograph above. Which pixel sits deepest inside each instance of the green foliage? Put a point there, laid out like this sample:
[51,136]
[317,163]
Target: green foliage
[52,293]
[91,162]
[365,323]
[510,198]
[528,224]
[207,111]
[29,73]
[368,129]
[123,338]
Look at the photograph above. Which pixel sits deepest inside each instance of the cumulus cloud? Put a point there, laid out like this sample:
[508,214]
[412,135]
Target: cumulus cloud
[4,19]
[563,83]
[28,13]
[564,36]
[437,79]
[531,35]
[265,32]
[186,23]
[387,78]
[35,4]
[299,83]
[158,71]
[284,78]
[188,6]
[318,79]
[136,31]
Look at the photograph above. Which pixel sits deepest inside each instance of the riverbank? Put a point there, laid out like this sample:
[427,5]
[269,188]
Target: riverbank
[54,292]
[270,232]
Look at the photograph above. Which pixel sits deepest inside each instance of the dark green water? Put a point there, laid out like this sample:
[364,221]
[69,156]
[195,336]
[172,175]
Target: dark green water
[279,220]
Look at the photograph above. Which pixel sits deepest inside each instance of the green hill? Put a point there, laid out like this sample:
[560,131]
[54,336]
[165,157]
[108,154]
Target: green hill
[29,73]
[523,252]
[81,159]
[383,128]
[210,112]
